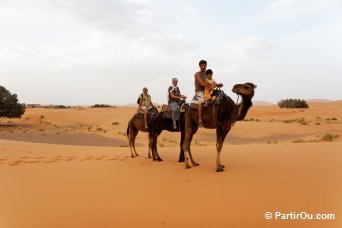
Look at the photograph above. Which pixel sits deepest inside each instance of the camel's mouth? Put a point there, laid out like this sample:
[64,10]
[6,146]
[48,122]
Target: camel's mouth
[236,89]
[246,89]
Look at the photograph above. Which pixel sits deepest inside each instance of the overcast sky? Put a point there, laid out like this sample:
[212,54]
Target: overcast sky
[105,51]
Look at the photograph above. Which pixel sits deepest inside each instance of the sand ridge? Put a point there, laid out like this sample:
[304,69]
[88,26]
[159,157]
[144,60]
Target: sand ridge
[72,168]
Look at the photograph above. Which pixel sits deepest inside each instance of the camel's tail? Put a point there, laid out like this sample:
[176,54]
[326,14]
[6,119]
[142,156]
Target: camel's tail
[128,127]
[127,131]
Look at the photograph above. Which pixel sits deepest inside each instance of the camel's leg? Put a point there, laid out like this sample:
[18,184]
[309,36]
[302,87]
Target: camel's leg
[135,133]
[156,151]
[155,154]
[130,137]
[150,139]
[181,153]
[193,132]
[221,133]
[187,139]
[186,146]
[131,147]
[153,148]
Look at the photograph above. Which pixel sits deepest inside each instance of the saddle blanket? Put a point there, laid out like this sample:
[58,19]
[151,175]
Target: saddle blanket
[139,115]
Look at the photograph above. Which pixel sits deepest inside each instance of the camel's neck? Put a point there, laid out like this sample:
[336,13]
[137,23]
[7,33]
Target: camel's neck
[232,112]
[243,108]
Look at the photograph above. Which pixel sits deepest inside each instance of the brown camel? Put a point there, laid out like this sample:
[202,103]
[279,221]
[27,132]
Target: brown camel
[160,123]
[136,124]
[221,117]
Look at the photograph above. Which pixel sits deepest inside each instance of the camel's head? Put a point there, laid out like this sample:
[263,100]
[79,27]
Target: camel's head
[245,90]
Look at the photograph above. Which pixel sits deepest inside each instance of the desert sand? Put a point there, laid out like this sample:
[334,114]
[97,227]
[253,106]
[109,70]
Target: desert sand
[72,168]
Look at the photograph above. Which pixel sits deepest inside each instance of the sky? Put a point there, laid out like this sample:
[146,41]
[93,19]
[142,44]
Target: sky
[76,52]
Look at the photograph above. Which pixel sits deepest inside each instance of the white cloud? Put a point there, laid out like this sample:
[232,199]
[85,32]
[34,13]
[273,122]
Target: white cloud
[295,9]
[63,48]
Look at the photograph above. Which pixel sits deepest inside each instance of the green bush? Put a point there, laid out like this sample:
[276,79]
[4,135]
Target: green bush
[102,106]
[61,107]
[292,103]
[328,137]
[9,105]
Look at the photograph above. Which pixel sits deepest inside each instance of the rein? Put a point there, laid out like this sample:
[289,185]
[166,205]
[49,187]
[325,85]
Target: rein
[236,111]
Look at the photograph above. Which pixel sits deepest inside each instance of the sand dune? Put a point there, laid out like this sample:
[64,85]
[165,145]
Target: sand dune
[72,168]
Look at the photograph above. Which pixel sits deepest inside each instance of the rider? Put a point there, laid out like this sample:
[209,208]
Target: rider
[174,99]
[207,92]
[145,103]
[200,84]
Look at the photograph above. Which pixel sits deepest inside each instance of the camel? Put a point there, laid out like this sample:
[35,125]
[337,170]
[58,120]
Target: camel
[136,124]
[160,123]
[220,117]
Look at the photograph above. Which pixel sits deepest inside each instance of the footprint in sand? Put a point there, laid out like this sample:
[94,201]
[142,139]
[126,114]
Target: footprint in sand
[112,159]
[17,162]
[50,161]
[87,158]
[99,158]
[1,161]
[33,161]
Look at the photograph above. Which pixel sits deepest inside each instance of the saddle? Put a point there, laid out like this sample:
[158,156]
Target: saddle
[152,112]
[215,98]
[167,112]
[139,115]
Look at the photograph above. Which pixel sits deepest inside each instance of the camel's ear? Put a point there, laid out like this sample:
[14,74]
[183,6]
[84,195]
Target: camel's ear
[251,84]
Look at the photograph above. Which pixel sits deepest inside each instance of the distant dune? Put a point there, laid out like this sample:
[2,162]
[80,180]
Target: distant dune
[129,105]
[319,100]
[72,168]
[337,102]
[262,103]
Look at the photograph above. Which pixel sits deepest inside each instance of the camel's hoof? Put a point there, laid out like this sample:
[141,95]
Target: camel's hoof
[137,155]
[159,159]
[187,167]
[219,169]
[195,164]
[132,156]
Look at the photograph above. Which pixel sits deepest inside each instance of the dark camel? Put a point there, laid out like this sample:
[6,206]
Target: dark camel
[160,123]
[136,124]
[226,115]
